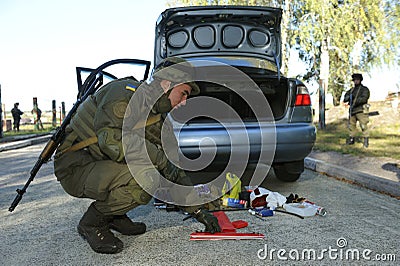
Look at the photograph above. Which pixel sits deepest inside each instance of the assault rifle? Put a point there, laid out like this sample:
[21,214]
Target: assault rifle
[93,82]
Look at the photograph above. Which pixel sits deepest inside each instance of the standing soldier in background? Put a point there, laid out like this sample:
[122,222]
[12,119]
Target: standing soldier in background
[16,113]
[37,114]
[357,98]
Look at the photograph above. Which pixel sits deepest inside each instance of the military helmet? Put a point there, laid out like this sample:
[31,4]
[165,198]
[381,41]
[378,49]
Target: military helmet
[177,70]
[357,76]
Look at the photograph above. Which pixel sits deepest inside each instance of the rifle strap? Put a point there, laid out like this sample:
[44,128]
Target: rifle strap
[81,145]
[150,121]
[92,140]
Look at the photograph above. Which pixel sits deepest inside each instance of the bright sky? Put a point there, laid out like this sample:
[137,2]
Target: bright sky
[43,41]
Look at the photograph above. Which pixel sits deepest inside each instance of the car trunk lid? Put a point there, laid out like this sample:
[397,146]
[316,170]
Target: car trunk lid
[219,31]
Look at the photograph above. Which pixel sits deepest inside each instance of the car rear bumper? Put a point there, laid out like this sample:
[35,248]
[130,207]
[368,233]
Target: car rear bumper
[294,143]
[280,142]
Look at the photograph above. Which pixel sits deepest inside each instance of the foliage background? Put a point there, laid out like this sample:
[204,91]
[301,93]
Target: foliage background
[356,35]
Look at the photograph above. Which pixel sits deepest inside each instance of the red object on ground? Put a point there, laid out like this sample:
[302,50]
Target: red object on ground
[225,236]
[240,224]
[224,222]
[228,230]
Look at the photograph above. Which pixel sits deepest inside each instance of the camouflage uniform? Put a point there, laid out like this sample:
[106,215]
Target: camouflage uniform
[16,113]
[357,97]
[37,115]
[99,171]
[91,162]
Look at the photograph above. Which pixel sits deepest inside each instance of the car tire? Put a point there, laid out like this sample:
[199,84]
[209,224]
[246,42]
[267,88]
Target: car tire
[289,172]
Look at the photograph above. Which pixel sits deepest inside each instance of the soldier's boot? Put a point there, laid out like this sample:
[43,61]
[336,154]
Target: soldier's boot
[95,229]
[366,142]
[350,141]
[125,226]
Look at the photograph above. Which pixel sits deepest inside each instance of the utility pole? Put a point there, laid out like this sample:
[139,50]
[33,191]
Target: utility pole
[324,69]
[323,82]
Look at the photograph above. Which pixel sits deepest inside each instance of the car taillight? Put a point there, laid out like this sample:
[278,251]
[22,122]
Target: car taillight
[302,96]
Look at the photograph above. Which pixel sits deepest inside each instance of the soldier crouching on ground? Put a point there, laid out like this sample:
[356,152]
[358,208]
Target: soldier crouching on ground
[91,163]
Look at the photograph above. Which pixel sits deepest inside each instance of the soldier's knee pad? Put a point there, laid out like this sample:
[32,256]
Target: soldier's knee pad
[363,127]
[139,195]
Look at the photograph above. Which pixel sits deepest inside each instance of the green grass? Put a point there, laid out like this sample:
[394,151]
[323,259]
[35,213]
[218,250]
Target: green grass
[29,129]
[383,141]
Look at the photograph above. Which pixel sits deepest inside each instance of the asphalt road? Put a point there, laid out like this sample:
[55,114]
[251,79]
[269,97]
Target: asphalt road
[361,227]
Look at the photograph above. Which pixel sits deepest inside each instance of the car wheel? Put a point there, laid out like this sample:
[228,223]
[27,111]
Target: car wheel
[289,172]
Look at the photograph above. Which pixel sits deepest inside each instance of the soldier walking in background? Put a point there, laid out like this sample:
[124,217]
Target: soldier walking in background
[16,113]
[357,98]
[37,115]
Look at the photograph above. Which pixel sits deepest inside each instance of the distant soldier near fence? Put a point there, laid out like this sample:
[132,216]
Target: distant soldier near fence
[16,113]
[37,115]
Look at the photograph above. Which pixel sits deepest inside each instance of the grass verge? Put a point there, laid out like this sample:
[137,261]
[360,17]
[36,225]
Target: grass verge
[383,141]
[28,129]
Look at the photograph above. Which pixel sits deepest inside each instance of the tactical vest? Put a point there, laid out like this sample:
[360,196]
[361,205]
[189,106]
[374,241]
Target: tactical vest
[82,125]
[153,130]
[82,135]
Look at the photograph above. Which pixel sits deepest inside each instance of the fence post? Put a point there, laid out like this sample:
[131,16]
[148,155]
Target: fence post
[322,84]
[62,110]
[54,111]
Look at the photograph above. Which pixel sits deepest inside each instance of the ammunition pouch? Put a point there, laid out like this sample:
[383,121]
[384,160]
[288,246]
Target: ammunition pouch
[82,124]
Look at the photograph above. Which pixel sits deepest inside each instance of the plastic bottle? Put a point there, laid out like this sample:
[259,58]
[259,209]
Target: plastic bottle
[235,203]
[261,213]
[320,210]
[300,209]
[232,186]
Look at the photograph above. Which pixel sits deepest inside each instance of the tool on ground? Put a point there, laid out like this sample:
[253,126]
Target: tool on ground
[262,212]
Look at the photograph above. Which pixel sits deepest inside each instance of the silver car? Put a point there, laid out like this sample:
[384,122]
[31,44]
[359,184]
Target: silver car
[247,116]
[247,113]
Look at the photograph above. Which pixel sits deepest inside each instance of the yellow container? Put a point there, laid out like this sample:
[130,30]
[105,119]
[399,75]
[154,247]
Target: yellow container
[232,186]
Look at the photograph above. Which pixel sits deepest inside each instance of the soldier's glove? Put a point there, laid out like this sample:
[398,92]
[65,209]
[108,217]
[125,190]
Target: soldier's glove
[294,198]
[171,172]
[209,220]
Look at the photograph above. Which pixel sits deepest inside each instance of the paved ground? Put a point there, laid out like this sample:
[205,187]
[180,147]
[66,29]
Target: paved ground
[377,173]
[42,229]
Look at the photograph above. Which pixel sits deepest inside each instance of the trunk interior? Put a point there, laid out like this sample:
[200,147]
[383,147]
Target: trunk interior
[275,91]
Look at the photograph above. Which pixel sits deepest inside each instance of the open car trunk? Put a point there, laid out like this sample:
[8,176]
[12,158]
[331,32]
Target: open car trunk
[275,90]
[276,97]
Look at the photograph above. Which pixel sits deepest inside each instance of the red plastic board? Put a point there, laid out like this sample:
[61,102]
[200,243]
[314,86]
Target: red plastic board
[224,222]
[225,236]
[240,224]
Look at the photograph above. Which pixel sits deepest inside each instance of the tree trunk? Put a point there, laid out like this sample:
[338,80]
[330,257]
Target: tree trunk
[336,100]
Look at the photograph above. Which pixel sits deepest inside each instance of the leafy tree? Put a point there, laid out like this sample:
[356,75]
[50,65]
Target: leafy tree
[356,34]
[285,34]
